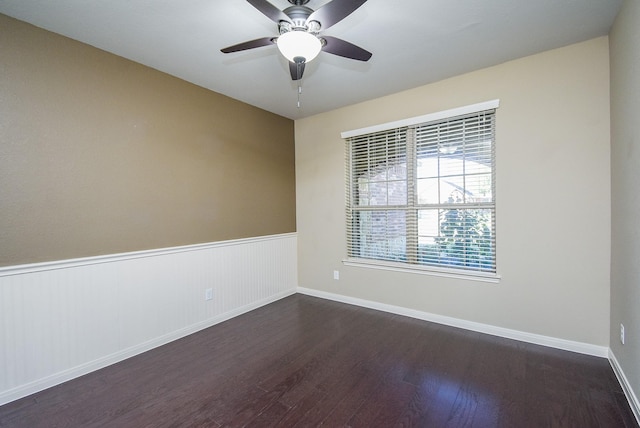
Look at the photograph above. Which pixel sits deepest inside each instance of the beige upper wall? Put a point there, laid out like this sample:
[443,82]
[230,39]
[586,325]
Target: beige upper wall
[100,155]
[553,197]
[625,189]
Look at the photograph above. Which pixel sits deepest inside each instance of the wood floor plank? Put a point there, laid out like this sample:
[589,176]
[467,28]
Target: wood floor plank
[304,361]
[351,385]
[328,365]
[300,411]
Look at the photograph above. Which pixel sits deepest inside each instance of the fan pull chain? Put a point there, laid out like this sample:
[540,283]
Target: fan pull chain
[299,93]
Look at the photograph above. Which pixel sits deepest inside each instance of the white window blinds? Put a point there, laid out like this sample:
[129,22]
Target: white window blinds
[423,194]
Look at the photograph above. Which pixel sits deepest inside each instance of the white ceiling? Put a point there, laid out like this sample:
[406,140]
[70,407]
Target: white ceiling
[414,42]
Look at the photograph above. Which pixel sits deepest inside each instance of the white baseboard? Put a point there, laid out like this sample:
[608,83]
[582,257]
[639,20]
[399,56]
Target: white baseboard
[538,339]
[66,375]
[626,386]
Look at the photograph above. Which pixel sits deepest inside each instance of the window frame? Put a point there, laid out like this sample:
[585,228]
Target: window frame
[441,271]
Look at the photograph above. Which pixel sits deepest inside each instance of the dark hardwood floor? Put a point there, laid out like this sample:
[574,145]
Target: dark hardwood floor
[304,361]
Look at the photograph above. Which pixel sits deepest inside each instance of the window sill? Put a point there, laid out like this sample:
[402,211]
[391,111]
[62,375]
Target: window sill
[424,270]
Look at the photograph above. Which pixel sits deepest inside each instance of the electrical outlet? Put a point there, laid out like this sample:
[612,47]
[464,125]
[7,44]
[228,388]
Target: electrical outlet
[208,294]
[622,333]
[336,275]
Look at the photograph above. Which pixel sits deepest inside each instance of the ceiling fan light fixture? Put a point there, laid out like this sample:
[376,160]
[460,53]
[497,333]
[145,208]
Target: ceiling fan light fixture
[299,44]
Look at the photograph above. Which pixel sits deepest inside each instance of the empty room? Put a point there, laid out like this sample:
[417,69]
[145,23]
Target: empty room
[319,213]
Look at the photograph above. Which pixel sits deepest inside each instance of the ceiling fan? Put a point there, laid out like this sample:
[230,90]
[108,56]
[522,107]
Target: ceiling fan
[299,27]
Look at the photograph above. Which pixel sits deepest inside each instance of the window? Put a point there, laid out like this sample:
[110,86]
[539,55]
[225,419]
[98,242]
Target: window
[421,194]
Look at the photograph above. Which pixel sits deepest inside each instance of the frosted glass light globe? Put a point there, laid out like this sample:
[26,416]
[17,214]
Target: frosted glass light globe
[295,44]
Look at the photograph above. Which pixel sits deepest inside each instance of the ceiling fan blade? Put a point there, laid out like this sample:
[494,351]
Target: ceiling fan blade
[336,46]
[334,12]
[251,44]
[296,69]
[269,10]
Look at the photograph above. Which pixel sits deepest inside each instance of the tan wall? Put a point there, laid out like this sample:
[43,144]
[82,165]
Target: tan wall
[100,155]
[625,181]
[553,197]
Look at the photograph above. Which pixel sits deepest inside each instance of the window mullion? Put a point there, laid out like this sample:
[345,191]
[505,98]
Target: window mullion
[412,212]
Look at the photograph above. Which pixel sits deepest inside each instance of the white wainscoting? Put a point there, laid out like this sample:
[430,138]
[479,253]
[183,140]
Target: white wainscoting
[61,320]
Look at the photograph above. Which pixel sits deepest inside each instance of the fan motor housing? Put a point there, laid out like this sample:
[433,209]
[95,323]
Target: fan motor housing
[298,15]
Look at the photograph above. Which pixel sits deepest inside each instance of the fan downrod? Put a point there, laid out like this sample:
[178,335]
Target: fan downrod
[298,2]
